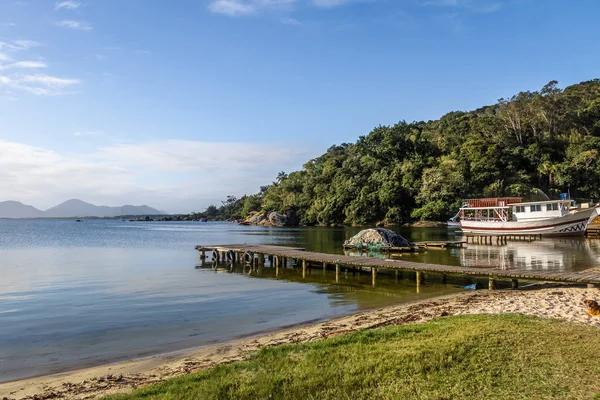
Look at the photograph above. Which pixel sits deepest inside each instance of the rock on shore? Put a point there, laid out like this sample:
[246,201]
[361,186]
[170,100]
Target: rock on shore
[267,219]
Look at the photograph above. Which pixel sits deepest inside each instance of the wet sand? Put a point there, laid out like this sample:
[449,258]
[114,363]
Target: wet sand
[549,302]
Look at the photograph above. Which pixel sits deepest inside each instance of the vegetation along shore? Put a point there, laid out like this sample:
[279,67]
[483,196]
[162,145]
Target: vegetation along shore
[451,347]
[547,139]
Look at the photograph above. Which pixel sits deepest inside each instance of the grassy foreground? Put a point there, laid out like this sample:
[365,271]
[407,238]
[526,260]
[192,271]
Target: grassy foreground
[467,357]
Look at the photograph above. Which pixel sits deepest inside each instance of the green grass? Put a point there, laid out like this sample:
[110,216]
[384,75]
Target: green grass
[468,357]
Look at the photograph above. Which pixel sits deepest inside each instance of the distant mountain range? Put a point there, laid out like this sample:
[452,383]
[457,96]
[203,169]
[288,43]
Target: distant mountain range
[72,209]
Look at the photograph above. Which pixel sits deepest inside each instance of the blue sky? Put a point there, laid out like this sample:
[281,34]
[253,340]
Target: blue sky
[178,103]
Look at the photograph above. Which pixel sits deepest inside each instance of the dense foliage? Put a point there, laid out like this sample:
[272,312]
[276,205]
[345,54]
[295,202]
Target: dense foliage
[548,139]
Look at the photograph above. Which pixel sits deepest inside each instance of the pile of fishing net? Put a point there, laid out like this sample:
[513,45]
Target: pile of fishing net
[376,239]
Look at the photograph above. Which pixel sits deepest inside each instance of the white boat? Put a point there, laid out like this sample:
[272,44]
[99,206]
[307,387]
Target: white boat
[512,216]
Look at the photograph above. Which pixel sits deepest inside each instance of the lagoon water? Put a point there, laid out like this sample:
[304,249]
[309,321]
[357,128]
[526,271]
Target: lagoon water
[79,294]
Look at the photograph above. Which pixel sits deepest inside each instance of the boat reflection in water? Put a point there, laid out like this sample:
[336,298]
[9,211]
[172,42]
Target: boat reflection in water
[542,255]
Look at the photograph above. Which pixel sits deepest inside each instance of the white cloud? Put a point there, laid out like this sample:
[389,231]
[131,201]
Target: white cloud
[232,8]
[22,64]
[235,8]
[72,24]
[330,3]
[18,45]
[39,85]
[8,24]
[70,5]
[176,175]
[50,81]
[14,81]
[477,6]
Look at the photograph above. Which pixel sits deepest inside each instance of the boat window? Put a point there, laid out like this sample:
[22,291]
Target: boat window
[520,209]
[536,207]
[552,207]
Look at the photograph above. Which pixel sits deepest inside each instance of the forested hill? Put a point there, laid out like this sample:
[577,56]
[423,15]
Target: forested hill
[548,139]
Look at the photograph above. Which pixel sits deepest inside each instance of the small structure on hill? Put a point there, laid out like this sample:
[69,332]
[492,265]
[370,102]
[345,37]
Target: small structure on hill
[379,239]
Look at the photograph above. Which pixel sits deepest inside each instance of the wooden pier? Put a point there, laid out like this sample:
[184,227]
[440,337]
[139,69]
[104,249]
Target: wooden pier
[278,257]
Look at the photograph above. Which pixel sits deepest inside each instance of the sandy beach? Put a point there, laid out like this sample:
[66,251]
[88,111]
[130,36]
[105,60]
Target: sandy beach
[547,302]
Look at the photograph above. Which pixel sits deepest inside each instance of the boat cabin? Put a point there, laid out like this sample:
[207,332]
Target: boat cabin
[504,209]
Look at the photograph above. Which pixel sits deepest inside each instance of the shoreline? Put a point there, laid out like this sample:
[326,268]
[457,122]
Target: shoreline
[556,301]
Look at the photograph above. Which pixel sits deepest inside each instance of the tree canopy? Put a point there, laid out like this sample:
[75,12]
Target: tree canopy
[547,139]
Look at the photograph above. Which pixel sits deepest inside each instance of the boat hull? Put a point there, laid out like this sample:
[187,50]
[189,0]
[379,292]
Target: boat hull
[569,225]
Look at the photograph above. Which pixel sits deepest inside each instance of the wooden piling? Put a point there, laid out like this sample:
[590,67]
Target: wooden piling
[373,276]
[419,277]
[491,284]
[337,273]
[304,266]
[514,283]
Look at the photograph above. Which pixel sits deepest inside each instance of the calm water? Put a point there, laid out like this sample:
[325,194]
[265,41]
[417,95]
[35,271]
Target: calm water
[80,294]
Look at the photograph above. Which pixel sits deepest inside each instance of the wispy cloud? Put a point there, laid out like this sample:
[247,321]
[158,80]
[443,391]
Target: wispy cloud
[237,8]
[8,24]
[69,5]
[19,45]
[290,21]
[22,64]
[49,81]
[13,77]
[478,6]
[72,24]
[330,3]
[39,85]
[232,8]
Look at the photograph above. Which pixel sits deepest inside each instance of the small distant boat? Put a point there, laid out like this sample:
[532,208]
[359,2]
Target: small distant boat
[78,220]
[203,220]
[512,216]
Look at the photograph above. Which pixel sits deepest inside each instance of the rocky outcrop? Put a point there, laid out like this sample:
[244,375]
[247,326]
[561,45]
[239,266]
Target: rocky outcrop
[377,237]
[268,219]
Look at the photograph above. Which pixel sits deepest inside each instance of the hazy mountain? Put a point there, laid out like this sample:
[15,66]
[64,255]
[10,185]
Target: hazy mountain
[70,209]
[78,208]
[15,209]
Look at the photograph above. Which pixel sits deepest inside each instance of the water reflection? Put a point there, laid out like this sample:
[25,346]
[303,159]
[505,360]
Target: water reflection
[351,286]
[543,255]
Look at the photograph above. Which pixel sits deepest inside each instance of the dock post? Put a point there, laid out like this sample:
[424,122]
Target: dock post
[419,277]
[324,268]
[491,284]
[284,262]
[337,273]
[514,283]
[304,269]
[444,279]
[396,275]
[373,276]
